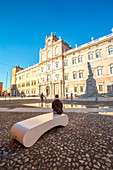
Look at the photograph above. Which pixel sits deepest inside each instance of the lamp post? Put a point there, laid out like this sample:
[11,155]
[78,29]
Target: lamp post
[6,85]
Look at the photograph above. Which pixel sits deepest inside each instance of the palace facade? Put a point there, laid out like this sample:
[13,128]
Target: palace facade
[63,70]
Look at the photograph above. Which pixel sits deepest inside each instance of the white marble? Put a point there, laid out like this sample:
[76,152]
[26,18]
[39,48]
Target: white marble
[28,131]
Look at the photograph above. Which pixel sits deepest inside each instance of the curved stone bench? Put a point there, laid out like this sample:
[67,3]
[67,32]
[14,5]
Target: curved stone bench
[27,132]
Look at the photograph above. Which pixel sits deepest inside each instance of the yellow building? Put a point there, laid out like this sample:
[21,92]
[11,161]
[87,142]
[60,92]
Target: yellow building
[1,88]
[63,70]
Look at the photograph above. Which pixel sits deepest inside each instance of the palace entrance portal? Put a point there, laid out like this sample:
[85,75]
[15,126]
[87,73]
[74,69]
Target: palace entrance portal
[47,91]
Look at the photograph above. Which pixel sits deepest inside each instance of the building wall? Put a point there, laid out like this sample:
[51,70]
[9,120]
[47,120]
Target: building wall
[64,70]
[27,81]
[103,62]
[1,88]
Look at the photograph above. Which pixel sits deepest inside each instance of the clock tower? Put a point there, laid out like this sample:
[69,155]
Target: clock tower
[14,70]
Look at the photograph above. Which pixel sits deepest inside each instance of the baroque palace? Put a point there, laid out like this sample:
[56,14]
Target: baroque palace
[63,70]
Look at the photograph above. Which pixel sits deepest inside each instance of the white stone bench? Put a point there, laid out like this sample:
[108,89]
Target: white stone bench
[27,132]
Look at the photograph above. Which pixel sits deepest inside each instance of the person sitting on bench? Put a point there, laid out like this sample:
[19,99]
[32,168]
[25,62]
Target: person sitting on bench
[57,105]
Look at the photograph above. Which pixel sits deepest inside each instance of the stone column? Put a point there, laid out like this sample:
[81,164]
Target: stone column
[54,89]
[39,90]
[50,89]
[43,90]
[59,89]
[63,87]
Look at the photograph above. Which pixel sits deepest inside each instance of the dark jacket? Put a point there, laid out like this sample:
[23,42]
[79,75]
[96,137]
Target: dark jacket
[41,96]
[58,103]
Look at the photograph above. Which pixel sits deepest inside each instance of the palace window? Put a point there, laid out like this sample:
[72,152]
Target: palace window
[42,57]
[65,63]
[56,65]
[56,50]
[73,60]
[42,69]
[33,83]
[111,69]
[28,75]
[110,50]
[33,91]
[66,77]
[99,71]
[80,74]
[97,54]
[33,73]
[48,67]
[81,89]
[64,50]
[49,42]
[79,59]
[100,87]
[48,77]
[19,77]
[74,75]
[75,89]
[27,83]
[90,56]
[27,91]
[23,84]
[48,54]
[23,76]
[18,85]
[57,77]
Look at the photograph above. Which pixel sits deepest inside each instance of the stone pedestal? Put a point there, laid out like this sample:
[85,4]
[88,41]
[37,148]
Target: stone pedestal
[91,88]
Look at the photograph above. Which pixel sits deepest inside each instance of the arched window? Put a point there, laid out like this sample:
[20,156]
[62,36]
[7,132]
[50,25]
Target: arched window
[111,69]
[56,50]
[56,64]
[99,71]
[49,42]
[73,60]
[48,54]
[66,76]
[90,56]
[48,77]
[65,63]
[81,88]
[75,89]
[57,77]
[110,50]
[79,59]
[81,74]
[74,75]
[98,54]
[48,67]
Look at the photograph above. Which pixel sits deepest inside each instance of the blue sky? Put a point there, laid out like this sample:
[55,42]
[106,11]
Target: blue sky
[24,25]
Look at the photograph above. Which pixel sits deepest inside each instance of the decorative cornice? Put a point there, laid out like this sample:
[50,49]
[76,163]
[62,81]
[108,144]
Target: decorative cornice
[87,45]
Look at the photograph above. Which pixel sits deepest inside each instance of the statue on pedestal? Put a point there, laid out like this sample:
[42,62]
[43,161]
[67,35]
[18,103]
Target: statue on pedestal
[91,89]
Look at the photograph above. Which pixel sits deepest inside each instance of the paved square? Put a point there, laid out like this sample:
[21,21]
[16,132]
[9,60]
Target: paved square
[85,143]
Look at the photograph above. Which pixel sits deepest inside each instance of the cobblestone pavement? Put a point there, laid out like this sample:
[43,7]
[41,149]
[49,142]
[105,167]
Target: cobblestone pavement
[85,143]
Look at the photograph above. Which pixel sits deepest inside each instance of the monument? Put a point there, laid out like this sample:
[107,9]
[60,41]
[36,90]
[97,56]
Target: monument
[91,89]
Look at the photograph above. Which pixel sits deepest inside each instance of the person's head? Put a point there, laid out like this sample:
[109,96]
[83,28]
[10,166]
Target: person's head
[56,96]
